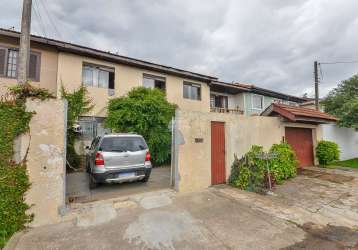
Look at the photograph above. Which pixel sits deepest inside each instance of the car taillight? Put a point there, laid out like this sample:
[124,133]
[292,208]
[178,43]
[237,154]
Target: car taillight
[99,159]
[147,156]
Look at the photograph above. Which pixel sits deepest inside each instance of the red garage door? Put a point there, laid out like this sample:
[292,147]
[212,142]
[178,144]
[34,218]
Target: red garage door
[301,141]
[217,153]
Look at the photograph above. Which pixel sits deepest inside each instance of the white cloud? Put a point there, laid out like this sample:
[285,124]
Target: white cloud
[269,43]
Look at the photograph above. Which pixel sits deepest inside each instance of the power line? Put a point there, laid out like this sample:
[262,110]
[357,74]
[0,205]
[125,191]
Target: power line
[340,62]
[37,13]
[50,19]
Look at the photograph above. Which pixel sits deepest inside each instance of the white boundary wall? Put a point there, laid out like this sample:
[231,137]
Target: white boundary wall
[346,138]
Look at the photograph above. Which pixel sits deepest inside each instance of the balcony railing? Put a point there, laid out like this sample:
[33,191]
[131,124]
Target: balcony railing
[226,110]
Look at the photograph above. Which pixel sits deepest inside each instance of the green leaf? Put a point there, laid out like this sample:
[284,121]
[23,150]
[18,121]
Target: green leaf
[146,112]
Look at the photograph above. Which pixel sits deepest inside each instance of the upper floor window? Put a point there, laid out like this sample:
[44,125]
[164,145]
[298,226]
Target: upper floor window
[12,63]
[152,81]
[98,76]
[257,102]
[191,91]
[218,101]
[9,64]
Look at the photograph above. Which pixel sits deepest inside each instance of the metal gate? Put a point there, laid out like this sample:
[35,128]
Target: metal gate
[301,141]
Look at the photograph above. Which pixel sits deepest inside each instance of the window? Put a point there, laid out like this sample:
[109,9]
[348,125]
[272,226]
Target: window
[12,63]
[218,101]
[9,64]
[123,144]
[257,102]
[191,91]
[34,67]
[151,81]
[98,76]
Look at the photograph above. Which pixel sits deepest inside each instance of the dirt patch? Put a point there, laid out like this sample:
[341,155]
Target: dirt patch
[328,238]
[335,178]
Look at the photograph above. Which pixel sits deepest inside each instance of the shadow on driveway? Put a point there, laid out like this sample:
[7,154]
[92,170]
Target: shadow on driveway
[78,189]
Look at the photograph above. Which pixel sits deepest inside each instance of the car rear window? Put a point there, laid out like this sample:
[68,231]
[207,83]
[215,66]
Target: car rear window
[123,144]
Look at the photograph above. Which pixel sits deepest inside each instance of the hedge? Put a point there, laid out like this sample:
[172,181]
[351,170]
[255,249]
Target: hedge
[327,152]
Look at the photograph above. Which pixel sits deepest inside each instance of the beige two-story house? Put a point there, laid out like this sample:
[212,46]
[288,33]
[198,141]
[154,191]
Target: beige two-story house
[107,75]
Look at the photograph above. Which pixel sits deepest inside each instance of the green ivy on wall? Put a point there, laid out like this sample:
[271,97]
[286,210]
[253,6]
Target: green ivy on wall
[14,181]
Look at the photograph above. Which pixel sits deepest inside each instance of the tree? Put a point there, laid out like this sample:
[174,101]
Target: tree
[342,102]
[146,112]
[78,104]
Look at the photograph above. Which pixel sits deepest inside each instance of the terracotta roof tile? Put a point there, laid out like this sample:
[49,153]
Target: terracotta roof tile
[305,112]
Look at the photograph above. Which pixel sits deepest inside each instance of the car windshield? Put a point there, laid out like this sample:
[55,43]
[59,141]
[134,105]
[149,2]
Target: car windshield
[123,144]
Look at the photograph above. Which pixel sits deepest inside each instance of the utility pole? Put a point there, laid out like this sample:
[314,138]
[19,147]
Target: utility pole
[24,53]
[316,85]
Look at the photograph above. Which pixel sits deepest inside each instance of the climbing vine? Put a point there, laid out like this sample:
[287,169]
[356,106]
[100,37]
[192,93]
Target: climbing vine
[78,104]
[14,181]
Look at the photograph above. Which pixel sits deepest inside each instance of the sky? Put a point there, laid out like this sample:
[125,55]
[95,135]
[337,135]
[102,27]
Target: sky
[268,43]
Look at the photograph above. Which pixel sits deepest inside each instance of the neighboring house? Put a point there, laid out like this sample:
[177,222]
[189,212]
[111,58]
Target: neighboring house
[106,75]
[246,99]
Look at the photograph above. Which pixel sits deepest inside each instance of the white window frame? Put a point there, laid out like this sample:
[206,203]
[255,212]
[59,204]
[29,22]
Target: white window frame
[5,74]
[192,84]
[252,102]
[99,68]
[154,78]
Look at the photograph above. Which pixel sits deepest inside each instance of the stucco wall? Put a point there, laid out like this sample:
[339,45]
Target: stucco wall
[193,160]
[48,70]
[346,138]
[46,160]
[126,78]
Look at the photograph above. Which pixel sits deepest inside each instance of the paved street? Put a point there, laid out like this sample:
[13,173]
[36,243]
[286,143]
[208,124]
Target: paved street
[316,210]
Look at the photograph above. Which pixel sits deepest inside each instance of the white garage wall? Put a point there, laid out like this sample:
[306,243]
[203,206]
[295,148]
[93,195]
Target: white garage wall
[346,138]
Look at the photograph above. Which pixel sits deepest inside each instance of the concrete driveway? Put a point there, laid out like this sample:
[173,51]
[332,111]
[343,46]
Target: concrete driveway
[77,188]
[316,210]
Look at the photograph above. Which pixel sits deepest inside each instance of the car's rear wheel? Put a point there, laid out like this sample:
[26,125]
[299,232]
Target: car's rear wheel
[146,178]
[92,182]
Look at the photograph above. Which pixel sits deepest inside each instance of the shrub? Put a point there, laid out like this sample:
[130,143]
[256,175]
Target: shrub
[284,166]
[248,173]
[78,104]
[146,112]
[327,152]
